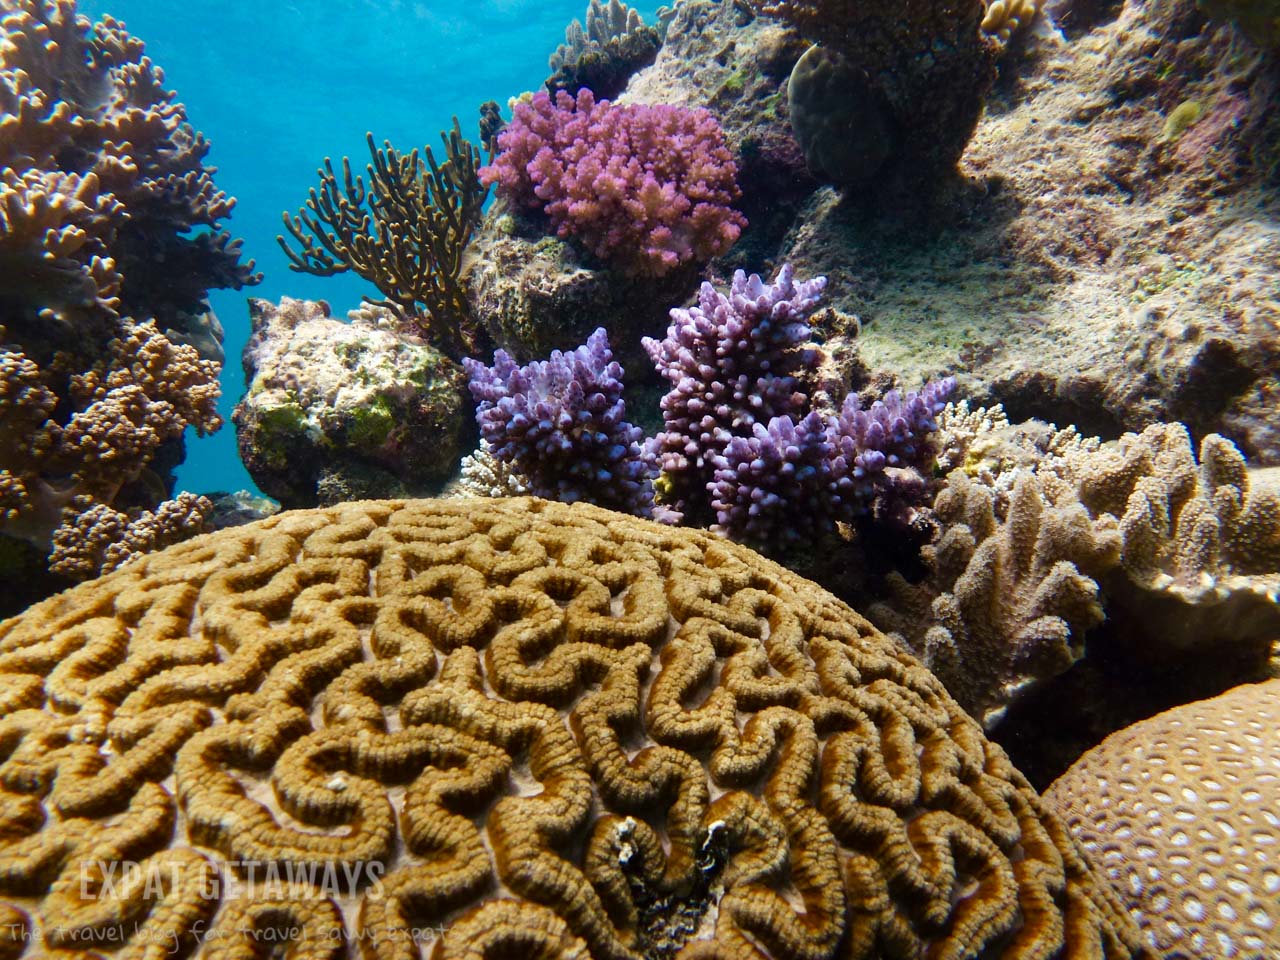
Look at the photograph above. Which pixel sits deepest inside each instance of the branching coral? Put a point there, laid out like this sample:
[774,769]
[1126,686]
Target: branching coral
[531,729]
[739,438]
[561,424]
[109,242]
[614,45]
[99,539]
[645,188]
[1026,562]
[406,233]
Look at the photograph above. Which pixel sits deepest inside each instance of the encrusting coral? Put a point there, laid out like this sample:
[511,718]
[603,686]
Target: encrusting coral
[614,45]
[103,194]
[1179,810]
[406,233]
[508,727]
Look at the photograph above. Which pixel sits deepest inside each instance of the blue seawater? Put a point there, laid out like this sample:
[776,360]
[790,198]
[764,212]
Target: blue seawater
[278,86]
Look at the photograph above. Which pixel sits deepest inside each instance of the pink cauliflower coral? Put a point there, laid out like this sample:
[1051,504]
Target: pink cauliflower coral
[646,188]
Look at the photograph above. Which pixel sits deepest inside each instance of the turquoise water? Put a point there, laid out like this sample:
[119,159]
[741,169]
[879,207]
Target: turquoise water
[276,87]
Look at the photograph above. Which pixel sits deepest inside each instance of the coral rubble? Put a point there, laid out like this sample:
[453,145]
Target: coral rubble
[526,728]
[109,242]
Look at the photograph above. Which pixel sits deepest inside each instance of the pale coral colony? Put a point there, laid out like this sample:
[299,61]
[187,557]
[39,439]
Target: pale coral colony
[808,486]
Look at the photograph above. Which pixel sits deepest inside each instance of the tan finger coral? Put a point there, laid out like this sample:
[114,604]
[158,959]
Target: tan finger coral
[493,728]
[1180,810]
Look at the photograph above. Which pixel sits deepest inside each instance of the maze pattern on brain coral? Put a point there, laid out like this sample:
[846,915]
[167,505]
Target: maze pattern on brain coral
[504,728]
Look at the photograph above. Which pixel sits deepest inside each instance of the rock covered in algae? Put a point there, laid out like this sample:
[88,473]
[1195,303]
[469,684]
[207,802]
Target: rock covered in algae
[506,728]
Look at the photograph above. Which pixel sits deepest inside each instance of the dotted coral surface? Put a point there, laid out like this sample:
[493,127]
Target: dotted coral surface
[505,728]
[1181,812]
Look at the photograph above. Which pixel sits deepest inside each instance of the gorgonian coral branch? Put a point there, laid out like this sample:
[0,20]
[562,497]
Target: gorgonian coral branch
[406,233]
[644,188]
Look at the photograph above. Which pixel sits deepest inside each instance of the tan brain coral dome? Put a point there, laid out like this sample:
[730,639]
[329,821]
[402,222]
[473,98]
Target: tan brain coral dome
[1183,812]
[505,729]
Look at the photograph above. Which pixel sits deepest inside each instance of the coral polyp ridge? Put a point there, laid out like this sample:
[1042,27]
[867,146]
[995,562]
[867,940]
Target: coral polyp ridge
[490,727]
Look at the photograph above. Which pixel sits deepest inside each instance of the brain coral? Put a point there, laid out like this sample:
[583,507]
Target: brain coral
[1181,811]
[506,728]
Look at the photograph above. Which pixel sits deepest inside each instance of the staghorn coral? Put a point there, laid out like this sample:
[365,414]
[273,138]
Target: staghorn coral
[109,243]
[646,189]
[560,423]
[544,730]
[1179,812]
[923,71]
[406,233]
[614,44]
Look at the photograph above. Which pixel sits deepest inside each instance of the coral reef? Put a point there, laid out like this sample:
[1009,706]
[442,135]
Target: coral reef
[406,233]
[614,45]
[645,189]
[542,729]
[339,411]
[109,242]
[561,424]
[1259,19]
[925,70]
[1090,271]
[1178,810]
[1004,18]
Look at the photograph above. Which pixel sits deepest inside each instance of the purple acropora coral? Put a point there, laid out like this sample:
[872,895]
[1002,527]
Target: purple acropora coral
[562,423]
[645,188]
[737,441]
[726,361]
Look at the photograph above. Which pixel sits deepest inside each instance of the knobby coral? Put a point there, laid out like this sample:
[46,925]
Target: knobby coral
[561,423]
[645,188]
[1187,549]
[1179,812]
[602,56]
[512,728]
[109,242]
[406,233]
